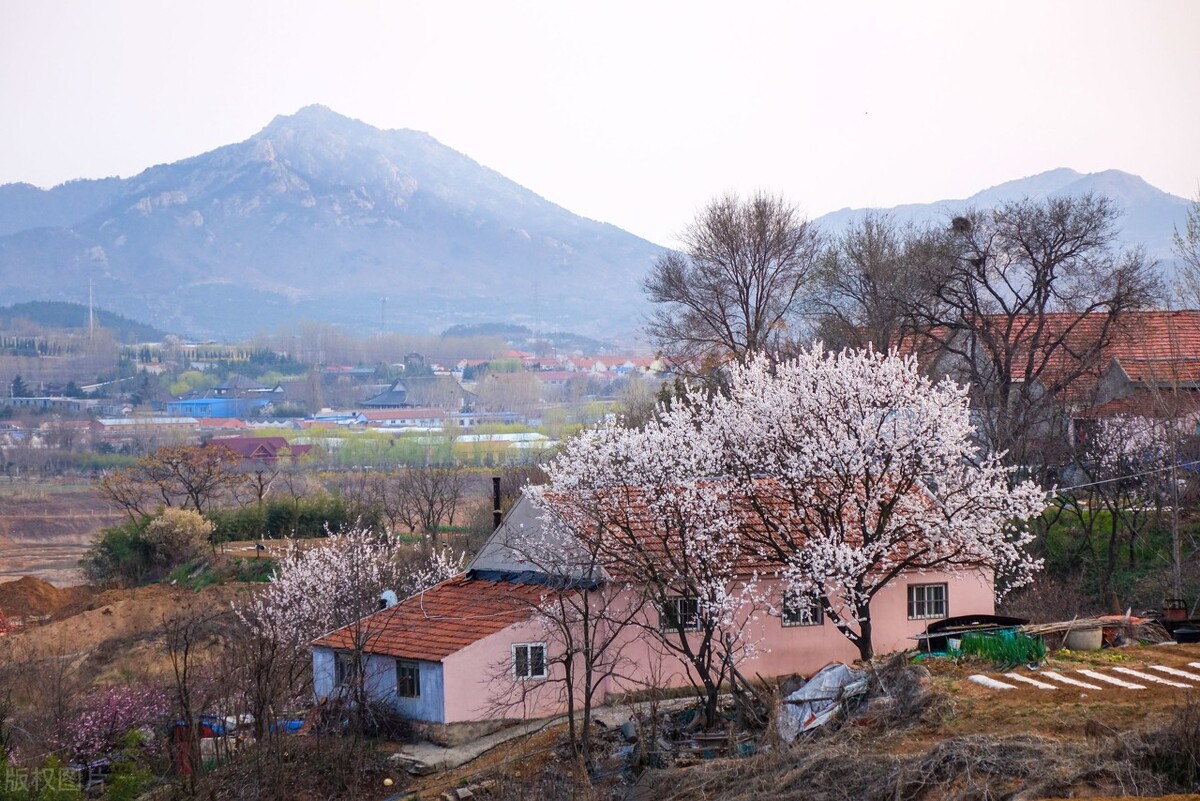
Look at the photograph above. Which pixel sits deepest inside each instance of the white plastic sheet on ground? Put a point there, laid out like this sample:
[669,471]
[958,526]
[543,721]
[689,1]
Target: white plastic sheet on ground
[814,704]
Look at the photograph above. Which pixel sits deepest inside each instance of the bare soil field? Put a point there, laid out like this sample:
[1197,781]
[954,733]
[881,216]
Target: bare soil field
[46,526]
[110,635]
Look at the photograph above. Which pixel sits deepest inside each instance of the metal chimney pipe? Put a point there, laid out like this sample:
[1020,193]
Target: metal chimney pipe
[496,513]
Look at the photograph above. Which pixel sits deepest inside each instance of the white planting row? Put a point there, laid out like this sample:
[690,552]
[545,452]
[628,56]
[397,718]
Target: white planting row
[1062,680]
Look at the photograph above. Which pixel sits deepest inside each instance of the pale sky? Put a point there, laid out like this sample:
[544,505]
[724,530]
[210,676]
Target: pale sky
[635,113]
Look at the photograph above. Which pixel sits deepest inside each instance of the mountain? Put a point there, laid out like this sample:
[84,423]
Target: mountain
[1149,219]
[53,314]
[320,217]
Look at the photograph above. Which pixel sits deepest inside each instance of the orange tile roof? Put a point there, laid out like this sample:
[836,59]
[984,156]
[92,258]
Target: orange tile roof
[1148,345]
[759,512]
[221,422]
[442,620]
[1147,404]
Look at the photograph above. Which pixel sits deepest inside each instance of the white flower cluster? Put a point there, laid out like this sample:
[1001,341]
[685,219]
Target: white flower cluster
[337,582]
[838,470]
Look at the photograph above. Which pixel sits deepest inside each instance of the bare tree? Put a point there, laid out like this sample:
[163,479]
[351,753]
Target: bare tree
[1024,300]
[425,497]
[187,476]
[735,288]
[189,633]
[585,617]
[870,277]
[1186,245]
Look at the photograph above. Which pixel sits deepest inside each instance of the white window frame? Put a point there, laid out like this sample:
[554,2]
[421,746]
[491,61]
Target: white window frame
[691,623]
[815,609]
[407,664]
[529,675]
[920,608]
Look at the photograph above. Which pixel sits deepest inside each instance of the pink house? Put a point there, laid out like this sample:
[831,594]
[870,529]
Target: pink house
[472,648]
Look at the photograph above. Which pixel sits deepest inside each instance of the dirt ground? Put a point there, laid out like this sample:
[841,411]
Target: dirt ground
[46,526]
[114,633]
[1069,713]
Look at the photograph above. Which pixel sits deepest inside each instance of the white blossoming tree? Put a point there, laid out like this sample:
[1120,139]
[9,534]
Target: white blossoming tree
[318,589]
[1126,461]
[645,500]
[858,469]
[840,472]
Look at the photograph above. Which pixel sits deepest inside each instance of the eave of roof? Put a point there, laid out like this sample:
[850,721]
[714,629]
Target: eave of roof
[442,620]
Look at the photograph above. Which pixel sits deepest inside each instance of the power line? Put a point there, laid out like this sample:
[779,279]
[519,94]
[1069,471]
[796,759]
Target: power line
[1128,476]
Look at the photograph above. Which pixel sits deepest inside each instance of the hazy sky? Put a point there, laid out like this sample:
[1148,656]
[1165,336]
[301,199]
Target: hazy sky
[635,113]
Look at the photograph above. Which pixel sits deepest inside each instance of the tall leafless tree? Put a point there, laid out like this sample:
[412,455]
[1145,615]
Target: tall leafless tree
[1186,245]
[736,286]
[1024,299]
[584,616]
[425,497]
[870,277]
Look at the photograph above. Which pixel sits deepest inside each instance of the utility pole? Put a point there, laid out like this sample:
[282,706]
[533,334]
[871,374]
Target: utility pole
[383,315]
[91,313]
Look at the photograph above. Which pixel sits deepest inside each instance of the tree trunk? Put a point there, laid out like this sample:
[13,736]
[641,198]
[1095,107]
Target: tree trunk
[866,651]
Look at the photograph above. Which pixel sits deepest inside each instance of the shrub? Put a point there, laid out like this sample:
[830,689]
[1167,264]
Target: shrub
[177,536]
[119,555]
[279,518]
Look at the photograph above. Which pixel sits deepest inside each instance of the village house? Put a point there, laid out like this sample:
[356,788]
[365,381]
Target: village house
[427,391]
[404,418]
[264,450]
[144,433]
[1144,364]
[472,648]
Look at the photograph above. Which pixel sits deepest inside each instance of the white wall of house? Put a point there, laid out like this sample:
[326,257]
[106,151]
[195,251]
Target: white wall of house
[380,673]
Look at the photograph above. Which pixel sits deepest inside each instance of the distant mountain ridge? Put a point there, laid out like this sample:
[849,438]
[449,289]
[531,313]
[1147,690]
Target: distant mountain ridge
[1149,218]
[54,314]
[320,217]
[325,218]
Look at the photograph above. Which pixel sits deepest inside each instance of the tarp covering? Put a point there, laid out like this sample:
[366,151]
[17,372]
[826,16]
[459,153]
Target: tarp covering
[815,704]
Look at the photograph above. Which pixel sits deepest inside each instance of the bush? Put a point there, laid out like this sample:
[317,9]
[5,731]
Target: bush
[279,518]
[119,555]
[177,536]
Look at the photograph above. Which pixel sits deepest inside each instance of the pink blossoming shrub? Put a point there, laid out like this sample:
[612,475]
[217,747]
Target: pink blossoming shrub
[108,714]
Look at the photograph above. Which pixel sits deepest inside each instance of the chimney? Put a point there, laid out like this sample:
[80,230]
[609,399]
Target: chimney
[496,513]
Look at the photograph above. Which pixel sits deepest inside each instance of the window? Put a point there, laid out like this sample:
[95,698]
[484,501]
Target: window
[680,613]
[343,669]
[408,680]
[529,660]
[926,601]
[802,612]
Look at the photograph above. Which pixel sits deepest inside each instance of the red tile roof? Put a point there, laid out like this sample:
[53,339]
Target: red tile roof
[442,620]
[1148,345]
[759,511]
[260,448]
[1148,404]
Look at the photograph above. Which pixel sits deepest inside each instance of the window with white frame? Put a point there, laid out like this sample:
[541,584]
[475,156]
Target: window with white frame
[926,601]
[803,611]
[529,660]
[680,613]
[408,680]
